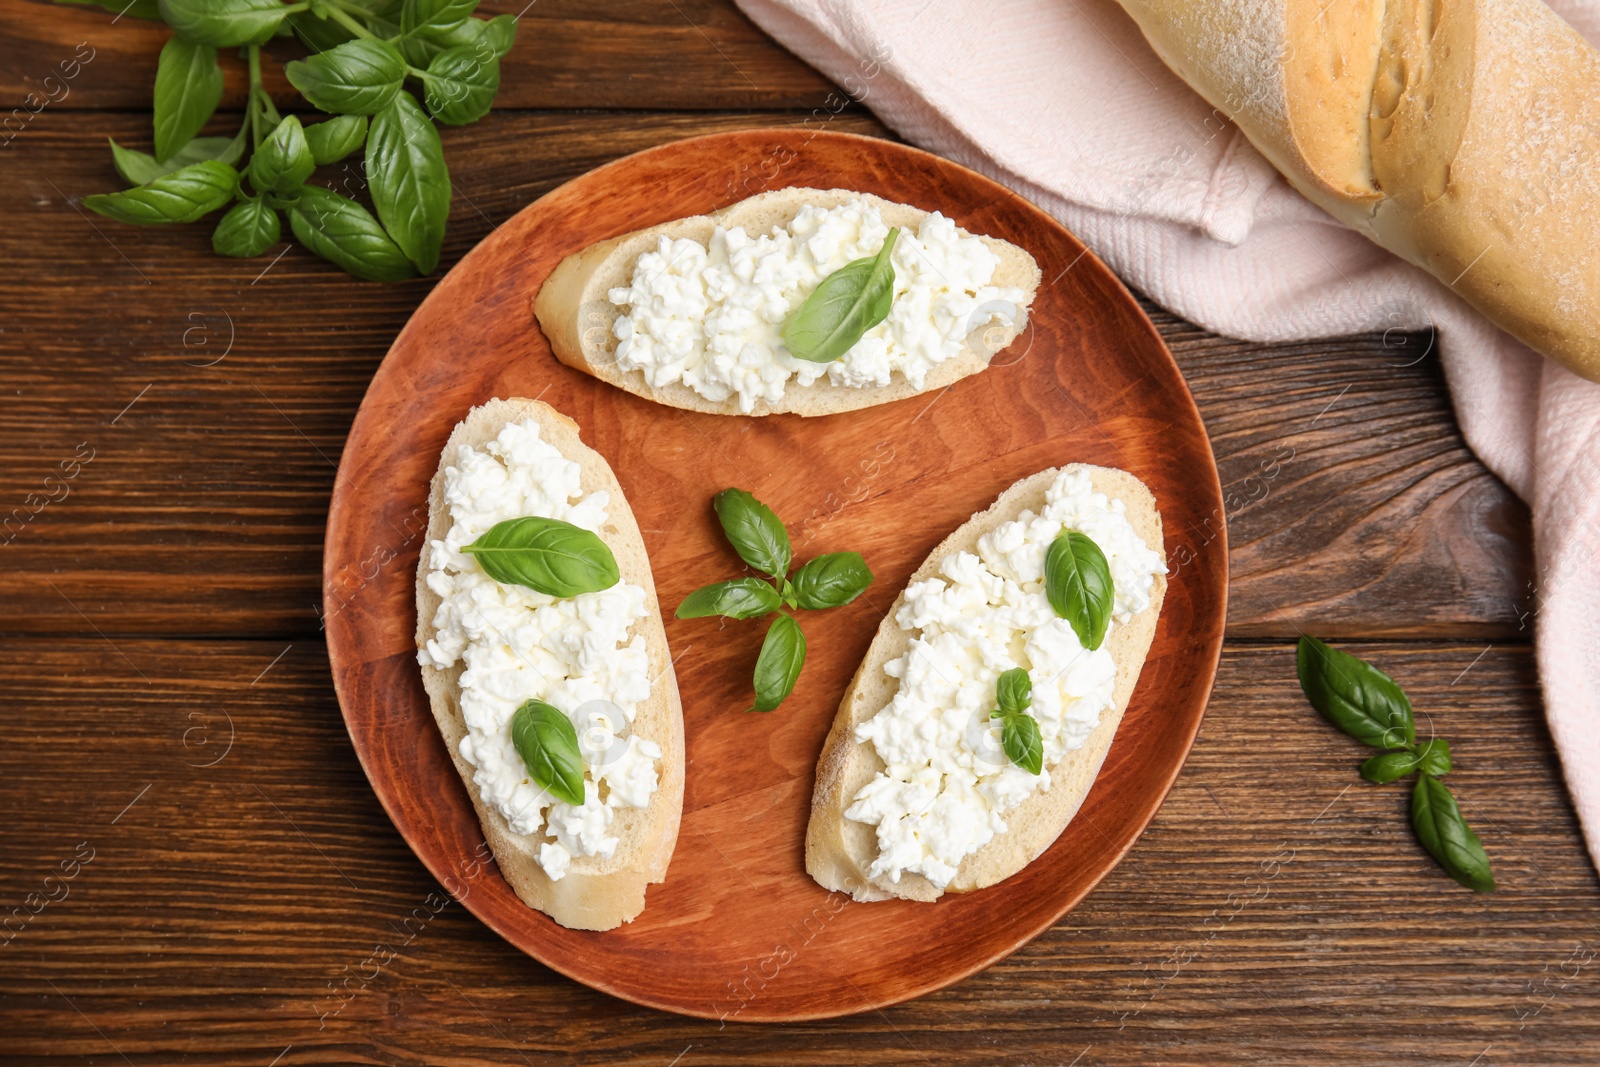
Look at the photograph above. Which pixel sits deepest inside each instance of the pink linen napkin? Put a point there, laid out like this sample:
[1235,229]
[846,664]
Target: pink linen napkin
[1063,101]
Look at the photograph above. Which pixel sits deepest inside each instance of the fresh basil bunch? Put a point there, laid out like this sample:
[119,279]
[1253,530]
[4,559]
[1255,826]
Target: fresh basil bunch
[828,581]
[365,53]
[1368,705]
[1019,731]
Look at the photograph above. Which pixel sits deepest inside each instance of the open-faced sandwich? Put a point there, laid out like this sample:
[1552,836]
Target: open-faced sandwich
[798,300]
[545,660]
[989,696]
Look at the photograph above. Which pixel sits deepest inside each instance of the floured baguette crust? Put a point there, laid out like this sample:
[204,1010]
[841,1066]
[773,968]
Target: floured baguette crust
[839,850]
[595,894]
[576,315]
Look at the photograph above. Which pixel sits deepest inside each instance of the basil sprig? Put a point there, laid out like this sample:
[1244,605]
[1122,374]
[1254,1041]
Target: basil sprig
[1077,582]
[1368,705]
[847,303]
[828,581]
[546,555]
[1019,731]
[364,54]
[548,744]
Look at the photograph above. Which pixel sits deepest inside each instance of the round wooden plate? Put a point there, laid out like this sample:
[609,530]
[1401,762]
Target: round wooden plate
[738,930]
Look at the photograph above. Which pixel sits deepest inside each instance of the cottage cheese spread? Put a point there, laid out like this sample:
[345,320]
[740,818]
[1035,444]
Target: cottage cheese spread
[712,317]
[515,645]
[948,783]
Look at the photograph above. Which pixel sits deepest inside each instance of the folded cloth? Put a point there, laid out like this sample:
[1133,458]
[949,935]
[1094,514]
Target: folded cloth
[1063,101]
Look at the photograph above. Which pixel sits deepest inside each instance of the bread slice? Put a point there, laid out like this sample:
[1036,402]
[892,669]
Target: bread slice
[839,850]
[577,316]
[595,893]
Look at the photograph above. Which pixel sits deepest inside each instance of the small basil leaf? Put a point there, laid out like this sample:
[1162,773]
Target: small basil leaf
[1014,691]
[354,78]
[344,233]
[139,9]
[136,168]
[1435,757]
[742,598]
[847,303]
[335,138]
[1019,737]
[548,744]
[1389,766]
[248,229]
[1077,581]
[141,168]
[499,33]
[283,161]
[182,196]
[754,531]
[409,180]
[224,23]
[1446,835]
[546,555]
[1355,696]
[188,89]
[783,653]
[461,83]
[831,581]
[433,16]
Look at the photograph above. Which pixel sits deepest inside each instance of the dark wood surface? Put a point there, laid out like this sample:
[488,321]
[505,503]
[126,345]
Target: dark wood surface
[1276,911]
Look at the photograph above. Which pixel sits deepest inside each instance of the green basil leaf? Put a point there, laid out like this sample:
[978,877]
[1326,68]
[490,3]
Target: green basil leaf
[1355,696]
[182,196]
[409,180]
[1389,766]
[248,229]
[742,598]
[1077,581]
[319,34]
[434,16]
[499,33]
[188,89]
[847,303]
[783,653]
[136,168]
[283,161]
[344,233]
[490,37]
[1446,835]
[141,168]
[1019,737]
[335,138]
[831,581]
[1434,757]
[355,78]
[754,531]
[546,555]
[461,83]
[548,744]
[139,9]
[1014,691]
[224,23]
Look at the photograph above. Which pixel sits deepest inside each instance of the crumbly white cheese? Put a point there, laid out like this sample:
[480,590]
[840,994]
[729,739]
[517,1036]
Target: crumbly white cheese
[515,645]
[712,317]
[947,783]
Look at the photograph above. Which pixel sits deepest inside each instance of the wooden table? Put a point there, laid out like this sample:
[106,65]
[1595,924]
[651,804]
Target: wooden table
[171,422]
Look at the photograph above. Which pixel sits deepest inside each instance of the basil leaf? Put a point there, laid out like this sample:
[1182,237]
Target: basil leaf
[354,78]
[344,233]
[136,168]
[1434,757]
[335,138]
[1019,737]
[319,34]
[224,23]
[848,303]
[1077,581]
[1446,835]
[409,180]
[139,9]
[546,555]
[460,84]
[182,196]
[1014,691]
[434,16]
[188,89]
[754,531]
[742,598]
[283,162]
[1389,766]
[499,33]
[831,581]
[548,744]
[141,168]
[1355,696]
[248,229]
[783,653]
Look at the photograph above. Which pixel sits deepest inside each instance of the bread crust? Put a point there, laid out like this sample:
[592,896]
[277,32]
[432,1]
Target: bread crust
[577,317]
[839,850]
[595,894]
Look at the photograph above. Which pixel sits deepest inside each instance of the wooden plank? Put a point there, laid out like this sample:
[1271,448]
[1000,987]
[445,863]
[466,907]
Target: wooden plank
[247,899]
[633,54]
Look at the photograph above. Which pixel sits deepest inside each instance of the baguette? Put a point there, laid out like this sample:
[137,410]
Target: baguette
[839,850]
[574,309]
[1463,136]
[595,893]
